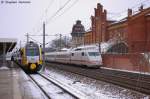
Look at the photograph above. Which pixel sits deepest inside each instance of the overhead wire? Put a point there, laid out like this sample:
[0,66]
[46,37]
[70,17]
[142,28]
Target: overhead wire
[114,14]
[55,14]
[66,3]
[68,8]
[42,16]
[35,40]
[119,14]
[45,12]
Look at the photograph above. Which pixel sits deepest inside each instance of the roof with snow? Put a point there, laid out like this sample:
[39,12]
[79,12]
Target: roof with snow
[8,44]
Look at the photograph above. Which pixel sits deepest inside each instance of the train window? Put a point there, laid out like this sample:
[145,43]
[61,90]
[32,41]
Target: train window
[82,53]
[72,54]
[78,49]
[32,52]
[93,53]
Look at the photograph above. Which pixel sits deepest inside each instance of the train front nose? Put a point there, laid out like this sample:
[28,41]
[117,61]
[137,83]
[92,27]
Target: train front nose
[33,66]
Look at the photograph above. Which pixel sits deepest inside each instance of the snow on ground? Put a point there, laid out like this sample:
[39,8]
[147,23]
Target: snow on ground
[95,89]
[53,91]
[3,68]
[28,89]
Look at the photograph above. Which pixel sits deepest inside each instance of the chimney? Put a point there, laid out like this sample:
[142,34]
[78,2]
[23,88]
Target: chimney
[78,22]
[92,17]
[95,11]
[105,14]
[99,6]
[129,12]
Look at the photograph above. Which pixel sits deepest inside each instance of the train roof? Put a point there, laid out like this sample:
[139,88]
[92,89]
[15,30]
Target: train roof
[65,49]
[103,46]
[31,44]
[86,47]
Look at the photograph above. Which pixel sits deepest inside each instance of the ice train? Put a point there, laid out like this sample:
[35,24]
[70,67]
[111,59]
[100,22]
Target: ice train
[84,55]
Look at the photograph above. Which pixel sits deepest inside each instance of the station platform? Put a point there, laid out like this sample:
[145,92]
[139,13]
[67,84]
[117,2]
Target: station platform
[9,87]
[15,84]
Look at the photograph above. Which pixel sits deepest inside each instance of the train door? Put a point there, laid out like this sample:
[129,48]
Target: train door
[79,58]
[84,57]
[75,59]
[68,57]
[23,57]
[82,54]
[72,57]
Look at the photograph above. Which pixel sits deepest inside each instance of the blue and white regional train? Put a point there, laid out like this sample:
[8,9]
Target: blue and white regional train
[85,55]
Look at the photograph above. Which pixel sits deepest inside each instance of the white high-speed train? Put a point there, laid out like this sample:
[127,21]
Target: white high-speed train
[84,55]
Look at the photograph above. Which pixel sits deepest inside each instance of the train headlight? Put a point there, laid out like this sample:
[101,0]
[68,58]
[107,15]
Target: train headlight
[39,62]
[32,66]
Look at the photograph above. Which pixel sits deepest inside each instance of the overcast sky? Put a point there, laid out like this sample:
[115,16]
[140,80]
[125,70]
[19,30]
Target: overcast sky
[18,19]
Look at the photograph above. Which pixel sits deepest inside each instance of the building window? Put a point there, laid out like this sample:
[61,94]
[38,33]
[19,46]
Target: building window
[118,48]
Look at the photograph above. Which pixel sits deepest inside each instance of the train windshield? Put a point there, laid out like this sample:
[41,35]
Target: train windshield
[93,53]
[32,51]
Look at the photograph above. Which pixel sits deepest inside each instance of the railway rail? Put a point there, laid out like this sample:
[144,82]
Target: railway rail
[40,87]
[68,91]
[71,92]
[137,82]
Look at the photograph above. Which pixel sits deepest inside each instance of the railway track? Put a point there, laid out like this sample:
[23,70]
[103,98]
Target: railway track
[53,88]
[127,81]
[137,82]
[62,90]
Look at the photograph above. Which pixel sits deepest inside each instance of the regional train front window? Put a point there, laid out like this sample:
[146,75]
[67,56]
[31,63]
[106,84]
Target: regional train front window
[32,52]
[93,53]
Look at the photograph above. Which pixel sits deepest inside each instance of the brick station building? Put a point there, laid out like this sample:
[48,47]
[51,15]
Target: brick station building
[133,30]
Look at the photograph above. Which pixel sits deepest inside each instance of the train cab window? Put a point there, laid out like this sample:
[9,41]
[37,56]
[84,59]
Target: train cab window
[72,54]
[78,49]
[82,53]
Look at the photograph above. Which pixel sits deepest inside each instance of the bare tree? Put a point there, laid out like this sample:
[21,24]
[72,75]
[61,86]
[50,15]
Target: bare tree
[60,43]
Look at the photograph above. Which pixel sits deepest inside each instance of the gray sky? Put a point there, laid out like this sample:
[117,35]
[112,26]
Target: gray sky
[18,19]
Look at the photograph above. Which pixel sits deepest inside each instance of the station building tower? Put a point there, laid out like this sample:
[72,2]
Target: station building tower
[77,34]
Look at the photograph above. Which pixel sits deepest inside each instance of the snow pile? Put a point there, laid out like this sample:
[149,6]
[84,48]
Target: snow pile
[4,68]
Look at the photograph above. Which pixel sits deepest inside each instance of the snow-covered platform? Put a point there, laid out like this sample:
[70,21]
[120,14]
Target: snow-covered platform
[9,86]
[15,84]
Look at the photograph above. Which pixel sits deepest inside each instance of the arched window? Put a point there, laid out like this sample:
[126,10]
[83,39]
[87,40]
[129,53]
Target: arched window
[118,48]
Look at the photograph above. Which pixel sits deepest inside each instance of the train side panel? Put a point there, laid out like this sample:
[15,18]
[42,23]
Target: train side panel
[89,58]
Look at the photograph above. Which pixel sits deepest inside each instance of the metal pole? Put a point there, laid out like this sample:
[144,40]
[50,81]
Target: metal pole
[20,43]
[43,46]
[27,37]
[83,39]
[99,47]
[65,42]
[60,42]
[4,54]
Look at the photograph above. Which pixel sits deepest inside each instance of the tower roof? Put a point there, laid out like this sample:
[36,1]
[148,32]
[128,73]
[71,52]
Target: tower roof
[78,28]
